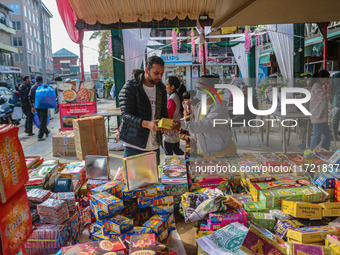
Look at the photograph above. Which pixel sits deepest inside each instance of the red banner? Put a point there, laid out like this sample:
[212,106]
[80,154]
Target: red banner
[75,98]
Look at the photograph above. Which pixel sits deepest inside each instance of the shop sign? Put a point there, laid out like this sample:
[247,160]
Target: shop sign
[94,72]
[10,69]
[182,59]
[216,61]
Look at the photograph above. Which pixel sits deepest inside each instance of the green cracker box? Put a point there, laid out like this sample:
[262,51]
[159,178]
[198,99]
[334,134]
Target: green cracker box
[265,220]
[255,207]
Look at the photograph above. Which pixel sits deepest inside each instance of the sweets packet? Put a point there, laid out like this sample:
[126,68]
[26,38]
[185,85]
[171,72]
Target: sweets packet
[297,249]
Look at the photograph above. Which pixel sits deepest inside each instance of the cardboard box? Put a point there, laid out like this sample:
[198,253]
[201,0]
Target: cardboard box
[90,137]
[282,226]
[330,209]
[301,209]
[311,234]
[265,220]
[63,144]
[165,123]
[273,198]
[255,207]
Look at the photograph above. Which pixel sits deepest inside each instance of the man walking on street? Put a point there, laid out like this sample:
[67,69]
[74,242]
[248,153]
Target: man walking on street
[143,102]
[25,104]
[42,113]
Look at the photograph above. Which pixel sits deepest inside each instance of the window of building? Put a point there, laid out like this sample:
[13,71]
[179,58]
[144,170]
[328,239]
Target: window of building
[25,10]
[15,8]
[26,27]
[30,59]
[32,32]
[30,2]
[37,21]
[16,25]
[19,57]
[27,43]
[32,45]
[34,60]
[17,41]
[29,14]
[33,17]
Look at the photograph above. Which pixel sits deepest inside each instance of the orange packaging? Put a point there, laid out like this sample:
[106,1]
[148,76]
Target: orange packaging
[15,223]
[13,169]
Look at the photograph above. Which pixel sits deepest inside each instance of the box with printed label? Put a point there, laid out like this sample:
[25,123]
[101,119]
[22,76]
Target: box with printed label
[98,236]
[282,226]
[165,123]
[150,191]
[325,180]
[311,234]
[156,225]
[118,224]
[335,158]
[273,198]
[330,209]
[106,202]
[163,200]
[111,187]
[162,209]
[144,202]
[255,207]
[63,144]
[265,220]
[91,184]
[301,209]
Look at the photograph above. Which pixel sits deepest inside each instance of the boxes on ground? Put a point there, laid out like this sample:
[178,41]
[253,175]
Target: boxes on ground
[90,137]
[302,210]
[63,144]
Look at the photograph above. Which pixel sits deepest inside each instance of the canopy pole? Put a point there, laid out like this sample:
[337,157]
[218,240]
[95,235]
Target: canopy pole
[82,75]
[203,47]
[325,46]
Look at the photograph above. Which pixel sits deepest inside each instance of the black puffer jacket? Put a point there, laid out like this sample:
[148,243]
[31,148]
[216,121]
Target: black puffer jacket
[136,107]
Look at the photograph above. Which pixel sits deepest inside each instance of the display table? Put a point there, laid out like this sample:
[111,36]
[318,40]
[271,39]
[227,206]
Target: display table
[107,114]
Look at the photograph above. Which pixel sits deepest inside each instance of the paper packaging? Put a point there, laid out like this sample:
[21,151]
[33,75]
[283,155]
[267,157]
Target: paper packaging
[92,184]
[256,242]
[273,198]
[330,209]
[264,220]
[334,244]
[97,167]
[226,240]
[99,236]
[156,225]
[301,209]
[150,191]
[163,200]
[140,170]
[144,202]
[335,159]
[308,249]
[90,137]
[165,123]
[282,226]
[118,224]
[162,209]
[111,187]
[140,243]
[107,202]
[229,216]
[311,234]
[100,248]
[15,222]
[63,144]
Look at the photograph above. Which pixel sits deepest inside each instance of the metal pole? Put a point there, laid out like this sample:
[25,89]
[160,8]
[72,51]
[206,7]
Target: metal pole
[203,46]
[325,46]
[42,45]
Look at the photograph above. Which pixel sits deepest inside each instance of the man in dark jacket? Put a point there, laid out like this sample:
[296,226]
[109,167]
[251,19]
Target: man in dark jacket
[25,104]
[42,113]
[143,102]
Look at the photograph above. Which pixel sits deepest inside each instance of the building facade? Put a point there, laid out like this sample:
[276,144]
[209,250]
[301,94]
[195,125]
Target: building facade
[65,63]
[26,21]
[8,72]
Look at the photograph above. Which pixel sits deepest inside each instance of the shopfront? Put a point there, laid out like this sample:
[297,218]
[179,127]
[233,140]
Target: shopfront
[10,75]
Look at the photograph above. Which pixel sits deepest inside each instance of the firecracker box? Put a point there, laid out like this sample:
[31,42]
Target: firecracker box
[282,226]
[255,177]
[301,209]
[90,137]
[265,220]
[273,198]
[118,224]
[311,234]
[111,187]
[335,158]
[229,216]
[63,144]
[107,202]
[165,123]
[325,180]
[255,207]
[330,209]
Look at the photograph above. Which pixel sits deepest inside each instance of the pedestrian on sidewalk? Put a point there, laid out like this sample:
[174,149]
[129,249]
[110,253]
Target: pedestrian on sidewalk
[42,113]
[25,104]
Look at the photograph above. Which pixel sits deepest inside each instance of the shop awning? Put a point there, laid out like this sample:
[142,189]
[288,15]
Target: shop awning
[264,59]
[313,49]
[8,48]
[259,12]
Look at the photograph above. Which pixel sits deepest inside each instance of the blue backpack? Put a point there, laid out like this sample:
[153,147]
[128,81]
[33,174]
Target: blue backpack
[45,97]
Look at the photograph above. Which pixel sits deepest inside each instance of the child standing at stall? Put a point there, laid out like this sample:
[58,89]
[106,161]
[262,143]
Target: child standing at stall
[174,105]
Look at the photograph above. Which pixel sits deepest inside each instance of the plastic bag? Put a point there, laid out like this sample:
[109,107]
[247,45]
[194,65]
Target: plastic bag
[17,113]
[37,121]
[45,97]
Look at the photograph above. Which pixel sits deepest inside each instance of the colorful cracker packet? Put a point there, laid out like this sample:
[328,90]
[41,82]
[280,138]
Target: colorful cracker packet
[98,236]
[256,242]
[98,248]
[107,202]
[69,198]
[312,234]
[282,226]
[226,240]
[140,230]
[333,243]
[118,224]
[265,220]
[165,123]
[111,187]
[144,202]
[53,211]
[92,184]
[38,195]
[162,209]
[255,207]
[157,225]
[163,200]
[15,223]
[142,244]
[148,191]
[302,249]
[229,216]
[13,170]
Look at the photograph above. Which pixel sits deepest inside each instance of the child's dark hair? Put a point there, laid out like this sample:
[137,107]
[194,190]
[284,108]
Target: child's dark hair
[189,94]
[174,81]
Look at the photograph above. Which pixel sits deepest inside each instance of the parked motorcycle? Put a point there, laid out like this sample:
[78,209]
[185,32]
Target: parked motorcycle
[6,111]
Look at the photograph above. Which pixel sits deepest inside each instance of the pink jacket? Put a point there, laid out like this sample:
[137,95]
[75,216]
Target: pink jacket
[318,106]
